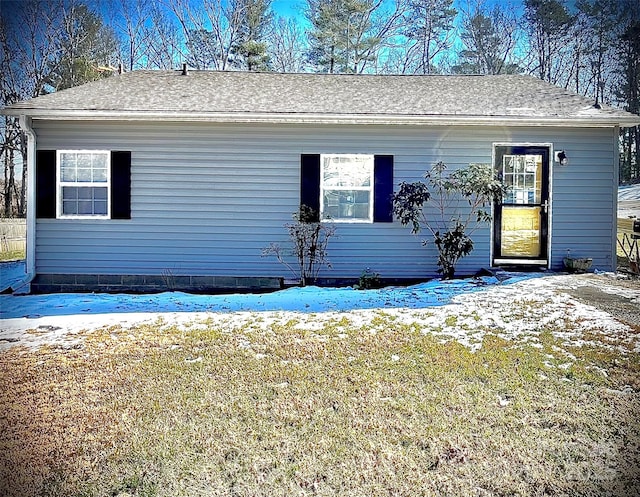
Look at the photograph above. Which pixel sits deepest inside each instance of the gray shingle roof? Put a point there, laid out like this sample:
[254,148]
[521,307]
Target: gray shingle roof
[317,97]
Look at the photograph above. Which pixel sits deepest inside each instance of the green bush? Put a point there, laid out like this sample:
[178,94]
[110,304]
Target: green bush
[460,200]
[368,280]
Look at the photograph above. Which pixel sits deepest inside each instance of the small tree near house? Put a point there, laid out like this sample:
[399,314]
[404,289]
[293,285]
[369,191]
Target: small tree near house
[457,206]
[309,239]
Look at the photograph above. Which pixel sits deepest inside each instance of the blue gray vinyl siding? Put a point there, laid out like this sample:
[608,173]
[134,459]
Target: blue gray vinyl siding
[584,198]
[206,198]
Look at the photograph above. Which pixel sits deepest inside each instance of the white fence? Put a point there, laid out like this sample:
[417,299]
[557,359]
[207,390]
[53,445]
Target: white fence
[13,236]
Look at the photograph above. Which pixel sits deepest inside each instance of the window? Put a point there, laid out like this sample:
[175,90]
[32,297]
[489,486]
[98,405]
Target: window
[83,183]
[341,180]
[521,176]
[49,184]
[346,188]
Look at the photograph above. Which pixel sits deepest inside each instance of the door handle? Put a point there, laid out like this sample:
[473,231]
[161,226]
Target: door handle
[545,206]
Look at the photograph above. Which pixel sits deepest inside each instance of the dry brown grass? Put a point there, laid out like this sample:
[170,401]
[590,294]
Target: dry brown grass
[12,255]
[334,412]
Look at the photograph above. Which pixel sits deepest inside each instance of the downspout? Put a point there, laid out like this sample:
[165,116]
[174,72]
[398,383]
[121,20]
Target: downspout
[23,286]
[616,183]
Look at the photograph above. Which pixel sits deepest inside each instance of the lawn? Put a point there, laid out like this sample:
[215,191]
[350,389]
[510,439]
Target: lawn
[322,407]
[12,255]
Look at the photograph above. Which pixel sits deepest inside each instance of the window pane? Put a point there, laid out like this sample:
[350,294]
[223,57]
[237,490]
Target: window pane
[69,193]
[100,193]
[508,180]
[69,207]
[360,175]
[69,174]
[99,167]
[85,193]
[531,163]
[84,161]
[346,204]
[68,167]
[100,175]
[347,171]
[100,207]
[508,164]
[518,164]
[85,207]
[84,200]
[331,174]
[530,180]
[520,232]
[84,175]
[100,161]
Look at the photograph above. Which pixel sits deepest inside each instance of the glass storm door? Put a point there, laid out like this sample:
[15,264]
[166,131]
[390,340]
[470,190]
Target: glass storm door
[521,221]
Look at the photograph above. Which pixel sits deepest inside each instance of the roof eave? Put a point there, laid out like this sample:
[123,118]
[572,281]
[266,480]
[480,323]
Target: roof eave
[316,118]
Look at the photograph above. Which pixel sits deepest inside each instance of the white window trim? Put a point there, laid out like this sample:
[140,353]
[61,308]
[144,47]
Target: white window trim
[369,188]
[60,184]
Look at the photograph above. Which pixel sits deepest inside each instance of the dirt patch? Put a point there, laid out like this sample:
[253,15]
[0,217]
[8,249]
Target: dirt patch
[618,296]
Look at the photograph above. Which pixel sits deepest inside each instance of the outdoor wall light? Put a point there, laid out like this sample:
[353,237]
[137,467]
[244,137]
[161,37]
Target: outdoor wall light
[561,158]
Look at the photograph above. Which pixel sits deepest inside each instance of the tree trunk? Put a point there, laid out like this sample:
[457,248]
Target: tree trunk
[635,175]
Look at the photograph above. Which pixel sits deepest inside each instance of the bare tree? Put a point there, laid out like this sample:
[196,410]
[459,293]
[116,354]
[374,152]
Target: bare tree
[129,20]
[88,48]
[148,36]
[163,43]
[387,21]
[29,41]
[211,30]
[595,41]
[286,46]
[46,45]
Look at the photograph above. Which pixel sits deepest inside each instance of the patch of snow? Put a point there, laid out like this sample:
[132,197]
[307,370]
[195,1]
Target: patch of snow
[518,307]
[21,310]
[628,192]
[629,201]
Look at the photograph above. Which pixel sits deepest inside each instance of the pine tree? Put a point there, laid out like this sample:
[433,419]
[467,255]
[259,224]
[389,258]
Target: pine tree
[628,91]
[429,29]
[489,41]
[343,37]
[549,23]
[255,24]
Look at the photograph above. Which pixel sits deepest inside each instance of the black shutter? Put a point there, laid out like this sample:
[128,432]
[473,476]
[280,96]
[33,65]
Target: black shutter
[46,184]
[120,185]
[383,189]
[310,183]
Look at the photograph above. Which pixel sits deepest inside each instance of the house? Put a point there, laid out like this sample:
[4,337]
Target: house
[179,179]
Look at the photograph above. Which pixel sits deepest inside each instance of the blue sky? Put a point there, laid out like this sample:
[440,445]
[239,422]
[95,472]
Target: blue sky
[294,8]
[292,5]
[287,8]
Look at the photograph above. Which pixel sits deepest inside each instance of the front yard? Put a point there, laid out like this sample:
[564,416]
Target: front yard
[533,394]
